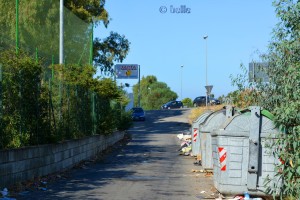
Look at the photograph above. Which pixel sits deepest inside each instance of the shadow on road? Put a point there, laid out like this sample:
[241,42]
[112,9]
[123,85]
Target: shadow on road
[120,163]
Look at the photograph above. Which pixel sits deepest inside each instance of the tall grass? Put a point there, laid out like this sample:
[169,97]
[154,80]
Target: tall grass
[196,112]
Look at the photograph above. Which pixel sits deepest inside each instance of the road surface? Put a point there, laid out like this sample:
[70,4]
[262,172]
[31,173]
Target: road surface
[148,167]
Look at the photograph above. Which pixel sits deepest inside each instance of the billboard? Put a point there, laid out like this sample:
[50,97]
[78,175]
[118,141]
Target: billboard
[258,72]
[127,71]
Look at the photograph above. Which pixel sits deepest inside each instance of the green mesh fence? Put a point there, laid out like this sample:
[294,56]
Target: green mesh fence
[37,30]
[38,105]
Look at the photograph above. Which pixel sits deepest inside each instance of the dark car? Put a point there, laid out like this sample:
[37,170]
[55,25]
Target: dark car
[172,104]
[199,101]
[214,101]
[138,114]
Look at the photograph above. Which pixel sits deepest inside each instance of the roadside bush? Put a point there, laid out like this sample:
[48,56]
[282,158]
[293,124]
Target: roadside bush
[281,96]
[187,102]
[23,108]
[41,104]
[125,121]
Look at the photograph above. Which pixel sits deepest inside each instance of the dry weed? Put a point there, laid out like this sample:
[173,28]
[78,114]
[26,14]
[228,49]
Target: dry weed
[196,112]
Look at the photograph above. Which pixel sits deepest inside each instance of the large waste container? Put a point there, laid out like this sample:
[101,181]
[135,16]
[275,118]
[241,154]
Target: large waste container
[211,122]
[195,133]
[240,157]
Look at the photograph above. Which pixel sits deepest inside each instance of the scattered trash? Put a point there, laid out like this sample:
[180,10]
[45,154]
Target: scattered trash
[4,192]
[42,188]
[246,196]
[24,193]
[202,192]
[220,197]
[208,174]
[44,182]
[238,198]
[180,136]
[198,162]
[184,137]
[186,149]
[197,171]
[186,144]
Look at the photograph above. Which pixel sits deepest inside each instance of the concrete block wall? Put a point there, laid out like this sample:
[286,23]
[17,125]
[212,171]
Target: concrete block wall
[17,165]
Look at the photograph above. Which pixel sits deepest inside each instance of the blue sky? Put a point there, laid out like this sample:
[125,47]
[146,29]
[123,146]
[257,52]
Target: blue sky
[163,42]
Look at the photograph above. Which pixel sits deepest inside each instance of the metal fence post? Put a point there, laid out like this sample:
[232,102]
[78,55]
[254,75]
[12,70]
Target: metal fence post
[17,26]
[91,45]
[0,94]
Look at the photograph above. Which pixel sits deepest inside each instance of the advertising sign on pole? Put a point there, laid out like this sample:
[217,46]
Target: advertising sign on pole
[127,71]
[258,72]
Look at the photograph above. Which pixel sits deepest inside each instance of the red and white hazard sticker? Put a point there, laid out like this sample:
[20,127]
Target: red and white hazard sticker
[222,157]
[195,134]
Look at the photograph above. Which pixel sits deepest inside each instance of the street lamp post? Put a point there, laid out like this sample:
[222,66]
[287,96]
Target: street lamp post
[205,38]
[181,82]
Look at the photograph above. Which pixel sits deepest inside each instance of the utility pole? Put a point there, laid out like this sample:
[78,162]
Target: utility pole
[205,38]
[139,94]
[181,82]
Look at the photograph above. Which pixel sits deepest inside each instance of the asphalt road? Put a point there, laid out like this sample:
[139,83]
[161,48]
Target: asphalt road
[148,167]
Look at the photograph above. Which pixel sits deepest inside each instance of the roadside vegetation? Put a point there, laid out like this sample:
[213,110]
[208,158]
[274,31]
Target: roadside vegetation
[43,102]
[187,102]
[197,111]
[71,105]
[153,93]
[280,95]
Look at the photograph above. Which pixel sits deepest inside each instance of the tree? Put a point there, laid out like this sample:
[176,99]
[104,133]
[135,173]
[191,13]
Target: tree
[187,102]
[153,93]
[222,98]
[91,11]
[113,48]
[281,96]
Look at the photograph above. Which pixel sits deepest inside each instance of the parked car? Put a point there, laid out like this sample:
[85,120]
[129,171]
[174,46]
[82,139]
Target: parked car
[199,101]
[172,104]
[214,101]
[138,114]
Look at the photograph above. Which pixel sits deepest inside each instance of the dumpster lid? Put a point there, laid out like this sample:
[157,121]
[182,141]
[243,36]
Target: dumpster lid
[213,121]
[203,116]
[240,124]
[267,114]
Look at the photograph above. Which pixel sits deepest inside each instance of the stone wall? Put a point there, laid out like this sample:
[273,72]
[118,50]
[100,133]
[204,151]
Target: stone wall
[22,164]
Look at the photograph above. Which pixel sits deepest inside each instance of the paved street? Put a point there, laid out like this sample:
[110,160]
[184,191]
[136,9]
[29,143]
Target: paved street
[148,167]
